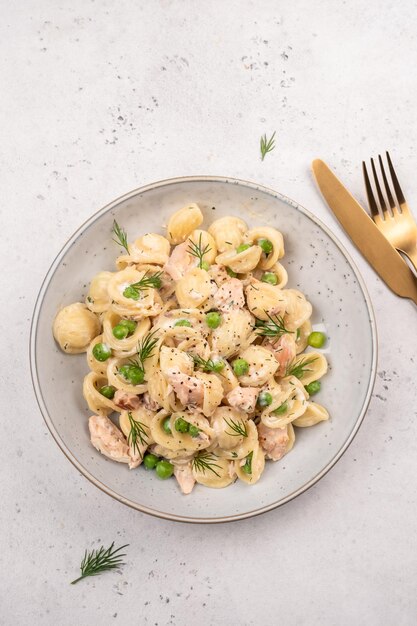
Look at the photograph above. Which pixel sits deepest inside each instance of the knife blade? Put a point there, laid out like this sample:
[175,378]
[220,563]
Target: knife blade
[364,233]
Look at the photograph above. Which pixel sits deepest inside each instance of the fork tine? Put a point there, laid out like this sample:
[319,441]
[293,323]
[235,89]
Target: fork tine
[391,200]
[379,192]
[369,193]
[398,192]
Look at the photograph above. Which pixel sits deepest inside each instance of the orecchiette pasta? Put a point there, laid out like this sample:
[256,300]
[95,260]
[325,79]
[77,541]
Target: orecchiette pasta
[275,238]
[240,262]
[250,468]
[98,299]
[182,223]
[264,299]
[75,327]
[198,346]
[228,232]
[313,414]
[193,289]
[149,248]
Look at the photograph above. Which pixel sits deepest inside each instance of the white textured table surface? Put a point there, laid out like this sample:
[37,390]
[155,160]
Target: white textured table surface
[101,97]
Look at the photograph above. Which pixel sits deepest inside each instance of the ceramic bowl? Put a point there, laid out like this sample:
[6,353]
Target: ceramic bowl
[317,264]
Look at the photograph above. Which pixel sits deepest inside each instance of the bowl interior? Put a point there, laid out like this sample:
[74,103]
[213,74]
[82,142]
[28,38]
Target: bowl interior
[316,265]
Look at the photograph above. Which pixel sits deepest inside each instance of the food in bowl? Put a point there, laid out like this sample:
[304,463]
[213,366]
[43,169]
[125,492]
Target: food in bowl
[199,348]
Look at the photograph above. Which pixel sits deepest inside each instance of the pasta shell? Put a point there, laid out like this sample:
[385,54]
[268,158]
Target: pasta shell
[193,289]
[160,392]
[183,222]
[277,240]
[100,367]
[241,450]
[150,248]
[297,308]
[293,396]
[149,302]
[234,333]
[213,392]
[179,440]
[279,271]
[228,232]
[97,403]
[241,262]
[262,366]
[302,340]
[263,299]
[227,423]
[127,346]
[257,466]
[174,359]
[205,241]
[75,327]
[313,414]
[213,471]
[314,366]
[98,299]
[118,381]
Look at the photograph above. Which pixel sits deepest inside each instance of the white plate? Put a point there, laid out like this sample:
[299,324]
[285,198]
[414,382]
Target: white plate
[317,264]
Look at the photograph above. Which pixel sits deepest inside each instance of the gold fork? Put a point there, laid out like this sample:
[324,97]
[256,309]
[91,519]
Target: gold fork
[397,225]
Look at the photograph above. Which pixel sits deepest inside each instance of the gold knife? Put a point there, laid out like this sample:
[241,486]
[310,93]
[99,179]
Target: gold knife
[379,253]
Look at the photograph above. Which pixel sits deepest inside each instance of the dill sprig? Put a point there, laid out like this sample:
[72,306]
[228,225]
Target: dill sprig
[239,428]
[137,434]
[274,328]
[198,251]
[267,145]
[207,365]
[299,368]
[145,350]
[121,236]
[205,461]
[146,282]
[101,560]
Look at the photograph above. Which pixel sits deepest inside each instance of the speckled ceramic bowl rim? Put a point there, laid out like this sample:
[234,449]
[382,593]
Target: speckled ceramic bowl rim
[38,310]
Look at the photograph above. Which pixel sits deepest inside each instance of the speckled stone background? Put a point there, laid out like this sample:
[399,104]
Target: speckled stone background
[98,98]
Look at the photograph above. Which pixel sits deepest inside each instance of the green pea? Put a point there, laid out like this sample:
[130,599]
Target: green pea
[132,373]
[131,293]
[270,278]
[193,430]
[120,332]
[164,469]
[150,460]
[124,371]
[316,339]
[313,387]
[136,375]
[108,391]
[205,266]
[231,273]
[247,468]
[298,335]
[183,323]
[181,425]
[130,325]
[283,408]
[101,352]
[213,319]
[218,366]
[243,247]
[240,367]
[266,245]
[166,425]
[264,398]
